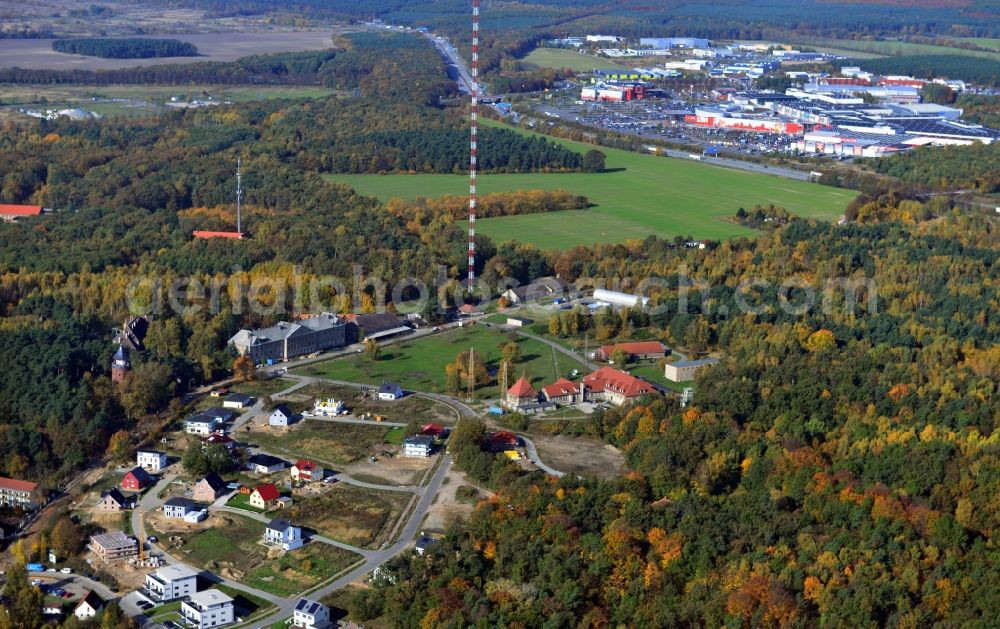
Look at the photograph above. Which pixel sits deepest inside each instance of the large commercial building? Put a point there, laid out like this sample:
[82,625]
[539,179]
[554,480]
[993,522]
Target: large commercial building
[286,340]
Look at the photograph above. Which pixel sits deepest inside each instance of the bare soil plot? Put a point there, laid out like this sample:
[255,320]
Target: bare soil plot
[397,470]
[332,443]
[579,455]
[397,411]
[447,508]
[360,517]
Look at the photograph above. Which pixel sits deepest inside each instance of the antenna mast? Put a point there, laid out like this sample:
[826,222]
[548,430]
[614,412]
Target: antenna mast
[474,123]
[239,196]
[472,373]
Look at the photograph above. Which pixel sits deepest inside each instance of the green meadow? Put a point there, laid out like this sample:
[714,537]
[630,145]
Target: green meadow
[560,58]
[638,195]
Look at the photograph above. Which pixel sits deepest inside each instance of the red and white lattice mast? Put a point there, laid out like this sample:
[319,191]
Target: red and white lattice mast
[473,129]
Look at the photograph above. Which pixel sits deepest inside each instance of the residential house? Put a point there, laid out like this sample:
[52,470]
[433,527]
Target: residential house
[208,609]
[521,394]
[217,439]
[614,386]
[684,370]
[201,424]
[502,440]
[137,479]
[418,446]
[390,391]
[113,547]
[311,615]
[284,502]
[237,401]
[265,464]
[564,391]
[639,350]
[89,606]
[152,460]
[222,415]
[52,609]
[468,310]
[209,489]
[280,417]
[177,507]
[114,501]
[306,471]
[433,430]
[542,288]
[280,532]
[375,326]
[20,493]
[265,496]
[284,340]
[171,582]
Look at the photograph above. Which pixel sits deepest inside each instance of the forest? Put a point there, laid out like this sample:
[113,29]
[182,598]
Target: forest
[979,70]
[975,167]
[126,48]
[837,468]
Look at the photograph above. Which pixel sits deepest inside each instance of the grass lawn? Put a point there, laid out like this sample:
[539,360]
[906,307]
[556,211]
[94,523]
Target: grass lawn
[259,389]
[560,58]
[650,371]
[395,436]
[242,501]
[247,605]
[360,517]
[166,610]
[331,443]
[899,49]
[232,549]
[420,364]
[397,410]
[637,196]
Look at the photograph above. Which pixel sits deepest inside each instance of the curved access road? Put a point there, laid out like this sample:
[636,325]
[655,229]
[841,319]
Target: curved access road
[532,452]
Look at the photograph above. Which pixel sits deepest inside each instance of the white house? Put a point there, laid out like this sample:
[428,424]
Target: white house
[390,391]
[194,517]
[280,417]
[311,615]
[306,471]
[265,464]
[280,532]
[152,460]
[88,606]
[208,609]
[418,446]
[179,507]
[171,582]
[201,424]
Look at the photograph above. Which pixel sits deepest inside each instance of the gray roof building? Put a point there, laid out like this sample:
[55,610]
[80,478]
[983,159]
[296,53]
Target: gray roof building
[286,340]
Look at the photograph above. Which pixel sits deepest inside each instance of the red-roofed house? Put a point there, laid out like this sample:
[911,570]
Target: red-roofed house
[564,391]
[199,233]
[19,493]
[521,394]
[502,440]
[10,212]
[216,439]
[306,471]
[137,479]
[639,350]
[265,496]
[432,430]
[617,387]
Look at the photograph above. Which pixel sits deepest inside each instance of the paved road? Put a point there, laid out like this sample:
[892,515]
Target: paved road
[532,452]
[60,580]
[265,518]
[378,557]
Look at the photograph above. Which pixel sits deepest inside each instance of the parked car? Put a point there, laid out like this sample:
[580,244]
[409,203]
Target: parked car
[66,571]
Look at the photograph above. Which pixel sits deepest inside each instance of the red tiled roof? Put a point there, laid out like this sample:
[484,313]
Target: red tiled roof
[468,308]
[561,387]
[305,466]
[432,429]
[217,438]
[637,347]
[11,209]
[611,379]
[503,436]
[268,492]
[17,485]
[522,388]
[198,233]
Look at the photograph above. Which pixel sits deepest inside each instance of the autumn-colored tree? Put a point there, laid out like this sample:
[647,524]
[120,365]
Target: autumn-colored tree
[372,349]
[119,446]
[821,341]
[243,368]
[620,356]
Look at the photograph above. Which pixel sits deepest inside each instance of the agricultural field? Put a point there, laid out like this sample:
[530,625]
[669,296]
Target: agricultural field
[637,196]
[360,517]
[37,54]
[850,47]
[230,546]
[420,365]
[560,58]
[331,443]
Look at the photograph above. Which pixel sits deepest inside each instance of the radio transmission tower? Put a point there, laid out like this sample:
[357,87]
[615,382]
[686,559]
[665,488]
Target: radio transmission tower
[239,196]
[473,129]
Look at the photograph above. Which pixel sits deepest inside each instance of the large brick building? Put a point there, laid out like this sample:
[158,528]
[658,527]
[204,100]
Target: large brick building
[285,340]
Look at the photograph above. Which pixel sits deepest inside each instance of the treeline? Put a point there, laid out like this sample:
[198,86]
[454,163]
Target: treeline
[512,203]
[974,167]
[978,70]
[826,456]
[126,48]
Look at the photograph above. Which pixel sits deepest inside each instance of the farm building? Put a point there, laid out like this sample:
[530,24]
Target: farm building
[684,370]
[640,350]
[621,300]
